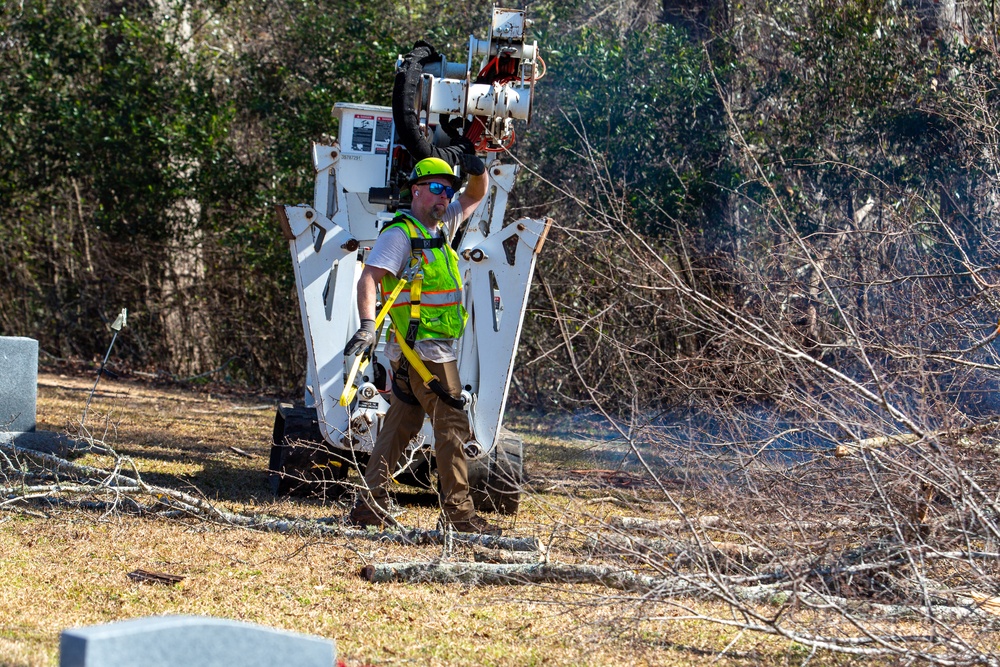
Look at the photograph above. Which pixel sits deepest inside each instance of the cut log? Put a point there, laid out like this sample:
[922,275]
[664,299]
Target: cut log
[651,527]
[490,574]
[668,526]
[678,552]
[882,441]
[483,555]
[877,442]
[485,574]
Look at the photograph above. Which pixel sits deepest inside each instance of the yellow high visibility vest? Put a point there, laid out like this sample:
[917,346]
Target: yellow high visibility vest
[433,298]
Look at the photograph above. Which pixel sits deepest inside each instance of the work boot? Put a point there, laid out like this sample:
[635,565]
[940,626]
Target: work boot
[363,515]
[475,524]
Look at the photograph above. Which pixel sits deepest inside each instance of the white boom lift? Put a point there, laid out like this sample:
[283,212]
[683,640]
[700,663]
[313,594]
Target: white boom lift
[439,108]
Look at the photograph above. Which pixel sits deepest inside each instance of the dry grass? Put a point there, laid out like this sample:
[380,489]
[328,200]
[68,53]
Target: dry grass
[70,569]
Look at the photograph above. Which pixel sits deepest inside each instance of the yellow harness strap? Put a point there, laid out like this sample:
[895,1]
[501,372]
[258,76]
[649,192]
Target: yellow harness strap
[415,287]
[361,361]
[415,362]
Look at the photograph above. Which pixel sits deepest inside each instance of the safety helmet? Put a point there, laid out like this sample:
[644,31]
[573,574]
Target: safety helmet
[434,166]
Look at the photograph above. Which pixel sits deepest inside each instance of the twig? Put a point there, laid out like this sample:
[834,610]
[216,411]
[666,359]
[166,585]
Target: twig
[249,455]
[147,577]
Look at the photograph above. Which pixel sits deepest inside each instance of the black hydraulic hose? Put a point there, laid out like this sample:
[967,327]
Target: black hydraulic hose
[404,113]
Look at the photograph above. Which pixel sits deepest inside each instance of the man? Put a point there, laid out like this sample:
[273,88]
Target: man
[417,246]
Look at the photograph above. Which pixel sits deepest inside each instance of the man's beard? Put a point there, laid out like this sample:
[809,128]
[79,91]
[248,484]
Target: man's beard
[437,212]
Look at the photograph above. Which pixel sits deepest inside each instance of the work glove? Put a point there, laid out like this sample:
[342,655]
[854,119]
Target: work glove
[471,164]
[464,145]
[362,340]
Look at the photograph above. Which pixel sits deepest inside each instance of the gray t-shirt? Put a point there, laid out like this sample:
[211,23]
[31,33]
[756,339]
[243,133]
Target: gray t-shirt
[392,253]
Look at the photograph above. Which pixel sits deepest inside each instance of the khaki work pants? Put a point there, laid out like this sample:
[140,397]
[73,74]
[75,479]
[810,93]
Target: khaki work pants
[451,431]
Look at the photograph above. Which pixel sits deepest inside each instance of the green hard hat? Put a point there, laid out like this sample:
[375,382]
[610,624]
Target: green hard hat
[433,166]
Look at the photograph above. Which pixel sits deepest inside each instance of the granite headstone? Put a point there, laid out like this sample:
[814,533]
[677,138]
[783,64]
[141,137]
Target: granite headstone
[18,384]
[191,641]
[19,400]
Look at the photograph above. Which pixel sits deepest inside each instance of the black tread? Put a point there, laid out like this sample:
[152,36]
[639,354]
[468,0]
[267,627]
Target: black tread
[301,462]
[495,480]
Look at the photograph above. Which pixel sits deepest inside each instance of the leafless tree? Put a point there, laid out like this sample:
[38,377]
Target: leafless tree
[816,410]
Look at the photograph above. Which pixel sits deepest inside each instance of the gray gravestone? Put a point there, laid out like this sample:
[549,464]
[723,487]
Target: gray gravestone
[19,399]
[18,384]
[190,641]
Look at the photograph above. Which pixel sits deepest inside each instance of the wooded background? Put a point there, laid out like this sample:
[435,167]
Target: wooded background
[827,170]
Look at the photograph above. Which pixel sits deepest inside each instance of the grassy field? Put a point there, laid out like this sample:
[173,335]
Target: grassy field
[65,566]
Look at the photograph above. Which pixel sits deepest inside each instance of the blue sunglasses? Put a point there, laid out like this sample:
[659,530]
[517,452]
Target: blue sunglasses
[438,188]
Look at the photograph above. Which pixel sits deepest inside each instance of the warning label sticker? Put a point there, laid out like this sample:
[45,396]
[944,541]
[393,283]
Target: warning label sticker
[363,134]
[383,134]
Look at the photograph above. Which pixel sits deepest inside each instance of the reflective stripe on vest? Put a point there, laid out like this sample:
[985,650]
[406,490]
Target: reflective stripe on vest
[444,298]
[435,298]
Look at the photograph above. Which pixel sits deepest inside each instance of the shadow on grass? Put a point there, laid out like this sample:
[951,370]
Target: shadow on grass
[216,473]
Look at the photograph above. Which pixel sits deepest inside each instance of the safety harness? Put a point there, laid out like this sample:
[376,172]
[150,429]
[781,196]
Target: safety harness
[413,276]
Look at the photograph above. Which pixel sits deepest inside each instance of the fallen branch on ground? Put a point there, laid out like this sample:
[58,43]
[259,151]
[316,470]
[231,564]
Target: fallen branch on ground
[651,587]
[669,525]
[883,441]
[678,552]
[483,555]
[504,574]
[95,480]
[649,526]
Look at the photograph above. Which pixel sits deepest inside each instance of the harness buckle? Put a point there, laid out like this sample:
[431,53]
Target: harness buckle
[412,273]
